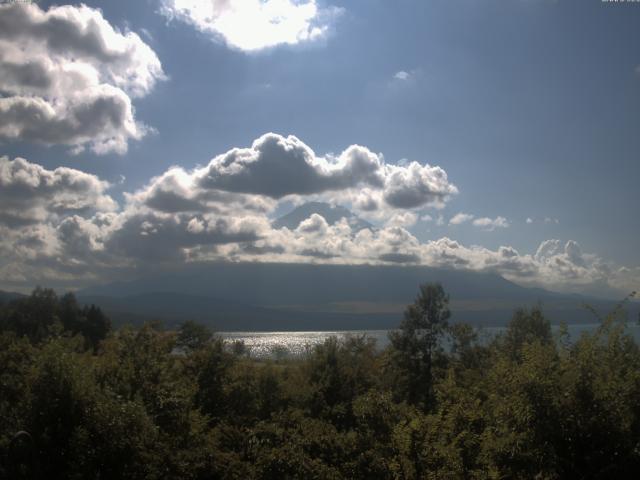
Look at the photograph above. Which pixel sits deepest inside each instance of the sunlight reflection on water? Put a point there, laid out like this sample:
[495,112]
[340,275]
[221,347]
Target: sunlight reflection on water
[282,344]
[296,344]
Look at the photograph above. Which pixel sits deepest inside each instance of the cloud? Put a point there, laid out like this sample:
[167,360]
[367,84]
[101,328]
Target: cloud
[554,249]
[201,213]
[31,194]
[178,190]
[277,167]
[491,224]
[82,239]
[404,219]
[150,236]
[252,25]
[460,218]
[61,226]
[67,77]
[485,223]
[560,266]
[315,224]
[402,75]
[416,185]
[546,220]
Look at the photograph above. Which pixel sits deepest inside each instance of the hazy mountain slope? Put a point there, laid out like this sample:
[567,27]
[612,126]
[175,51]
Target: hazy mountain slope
[283,284]
[175,308]
[331,213]
[277,296]
[8,296]
[320,297]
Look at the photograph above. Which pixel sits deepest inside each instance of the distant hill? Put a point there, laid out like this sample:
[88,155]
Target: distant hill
[331,213]
[174,308]
[284,284]
[263,296]
[8,296]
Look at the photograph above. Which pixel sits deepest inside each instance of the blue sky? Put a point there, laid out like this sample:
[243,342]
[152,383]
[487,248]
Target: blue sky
[531,107]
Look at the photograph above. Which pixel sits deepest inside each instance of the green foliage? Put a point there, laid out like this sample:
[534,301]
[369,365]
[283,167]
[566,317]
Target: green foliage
[16,361]
[417,343]
[32,317]
[151,404]
[43,314]
[193,336]
[526,326]
[338,373]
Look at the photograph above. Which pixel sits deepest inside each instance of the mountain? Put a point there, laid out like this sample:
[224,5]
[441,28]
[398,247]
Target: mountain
[280,296]
[277,296]
[284,284]
[174,308]
[331,213]
[8,296]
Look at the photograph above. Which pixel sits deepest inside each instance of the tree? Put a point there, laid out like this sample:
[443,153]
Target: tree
[211,365]
[97,325]
[33,316]
[416,343]
[43,314]
[340,371]
[525,327]
[89,321]
[193,336]
[69,313]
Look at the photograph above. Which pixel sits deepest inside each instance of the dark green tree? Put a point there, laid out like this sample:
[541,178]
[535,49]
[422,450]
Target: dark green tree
[416,343]
[43,314]
[96,325]
[525,327]
[193,336]
[33,316]
[339,371]
[211,366]
[69,313]
[88,321]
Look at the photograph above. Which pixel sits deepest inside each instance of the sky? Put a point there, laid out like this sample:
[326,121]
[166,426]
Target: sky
[493,135]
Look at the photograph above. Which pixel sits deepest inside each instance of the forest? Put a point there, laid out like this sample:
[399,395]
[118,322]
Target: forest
[79,399]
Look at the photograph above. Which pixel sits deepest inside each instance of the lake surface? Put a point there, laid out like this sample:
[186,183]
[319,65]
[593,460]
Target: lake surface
[295,344]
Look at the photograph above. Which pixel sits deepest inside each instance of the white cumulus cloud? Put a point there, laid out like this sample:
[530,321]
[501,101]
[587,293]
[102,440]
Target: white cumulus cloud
[460,218]
[61,225]
[275,167]
[67,77]
[404,219]
[491,224]
[30,193]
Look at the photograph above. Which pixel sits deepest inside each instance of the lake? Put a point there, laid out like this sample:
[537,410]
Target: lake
[295,344]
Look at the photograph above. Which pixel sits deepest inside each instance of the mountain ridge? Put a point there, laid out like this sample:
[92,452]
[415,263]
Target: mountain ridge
[275,296]
[331,213]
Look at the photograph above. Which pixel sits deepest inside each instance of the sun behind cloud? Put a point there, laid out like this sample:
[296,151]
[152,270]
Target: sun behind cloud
[252,25]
